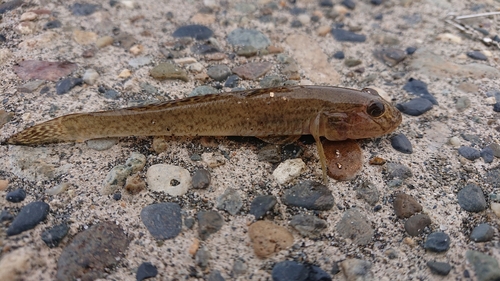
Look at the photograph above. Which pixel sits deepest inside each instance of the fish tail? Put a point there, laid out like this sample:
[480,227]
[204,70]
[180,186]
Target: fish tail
[48,132]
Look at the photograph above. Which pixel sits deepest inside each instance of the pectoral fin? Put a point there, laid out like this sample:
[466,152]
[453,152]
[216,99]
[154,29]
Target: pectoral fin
[314,127]
[279,139]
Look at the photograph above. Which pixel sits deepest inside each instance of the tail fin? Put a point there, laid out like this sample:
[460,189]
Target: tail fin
[48,132]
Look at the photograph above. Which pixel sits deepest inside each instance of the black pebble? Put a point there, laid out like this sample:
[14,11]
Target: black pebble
[3,38]
[326,3]
[349,4]
[232,81]
[146,270]
[10,5]
[377,208]
[201,179]
[289,270]
[29,217]
[415,107]
[117,196]
[487,154]
[65,85]
[339,55]
[83,9]
[52,237]
[291,151]
[196,31]
[439,268]
[437,242]
[163,220]
[496,107]
[297,11]
[296,23]
[469,153]
[343,35]
[376,2]
[477,55]
[6,216]
[16,196]
[52,24]
[411,50]
[310,195]
[419,88]
[44,90]
[401,143]
[318,274]
[471,198]
[261,205]
[379,17]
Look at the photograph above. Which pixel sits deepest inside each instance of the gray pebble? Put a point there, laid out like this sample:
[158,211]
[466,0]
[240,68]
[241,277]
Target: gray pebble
[202,90]
[482,233]
[270,153]
[232,81]
[139,61]
[148,88]
[477,55]
[271,81]
[469,153]
[439,268]
[29,217]
[416,224]
[485,266]
[209,222]
[462,103]
[368,192]
[356,269]
[419,88]
[343,35]
[201,179]
[355,226]
[390,56]
[248,37]
[437,242]
[83,9]
[487,154]
[398,171]
[219,72]
[308,225]
[53,236]
[112,94]
[261,205]
[239,267]
[401,143]
[247,51]
[196,31]
[495,147]
[146,270]
[215,276]
[102,144]
[230,201]
[65,85]
[16,196]
[202,257]
[163,220]
[310,195]
[493,176]
[189,222]
[415,107]
[471,198]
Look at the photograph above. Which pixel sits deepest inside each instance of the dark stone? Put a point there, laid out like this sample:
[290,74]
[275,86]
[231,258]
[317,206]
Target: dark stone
[29,217]
[3,38]
[335,268]
[189,222]
[368,192]
[52,24]
[297,11]
[296,24]
[318,274]
[92,252]
[6,216]
[390,56]
[117,196]
[439,268]
[406,206]
[146,270]
[270,153]
[201,179]
[310,195]
[261,205]
[355,226]
[204,49]
[232,81]
[11,5]
[111,94]
[339,55]
[350,4]
[416,224]
[469,153]
[215,276]
[471,198]
[209,222]
[326,3]
[65,85]
[289,271]
[196,31]
[376,2]
[202,257]
[16,196]
[163,220]
[230,201]
[415,107]
[411,50]
[419,88]
[308,225]
[53,236]
[437,242]
[401,143]
[477,55]
[485,266]
[398,171]
[482,233]
[496,107]
[343,35]
[83,9]
[291,151]
[487,154]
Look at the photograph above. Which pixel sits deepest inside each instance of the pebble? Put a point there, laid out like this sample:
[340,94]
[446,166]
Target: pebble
[485,266]
[482,233]
[271,81]
[125,40]
[163,220]
[357,270]
[116,178]
[202,90]
[493,176]
[213,159]
[52,24]
[84,37]
[415,107]
[10,5]
[406,206]
[496,107]
[296,24]
[239,267]
[146,270]
[53,236]
[104,143]
[471,198]
[462,104]
[323,30]
[339,55]
[439,268]
[270,153]
[290,270]
[248,37]
[268,238]
[477,55]
[495,207]
[343,35]
[261,205]
[355,226]
[90,76]
[204,49]
[252,70]
[495,147]
[136,49]
[202,257]
[16,196]
[209,222]
[390,56]
[349,4]
[134,184]
[196,31]
[117,196]
[450,38]
[5,216]
[310,195]
[401,143]
[83,9]
[112,95]
[28,16]
[30,86]
[43,70]
[29,217]
[351,62]
[201,179]
[344,159]
[102,245]
[126,73]
[437,242]
[168,71]
[487,154]
[139,61]
[398,171]
[469,153]
[232,81]
[419,88]
[308,225]
[288,170]
[368,192]
[411,50]
[230,201]
[416,224]
[104,41]
[172,180]
[247,51]
[65,85]
[215,275]
[219,72]
[4,184]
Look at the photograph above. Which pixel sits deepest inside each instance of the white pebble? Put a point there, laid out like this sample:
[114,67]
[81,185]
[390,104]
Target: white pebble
[57,189]
[214,159]
[449,37]
[28,16]
[491,100]
[289,170]
[304,19]
[173,180]
[90,76]
[495,207]
[455,141]
[196,67]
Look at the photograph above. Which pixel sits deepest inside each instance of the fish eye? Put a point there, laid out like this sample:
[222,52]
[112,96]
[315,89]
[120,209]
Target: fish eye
[375,109]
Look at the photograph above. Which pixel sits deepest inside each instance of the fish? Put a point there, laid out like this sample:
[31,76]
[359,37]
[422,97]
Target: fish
[334,113]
